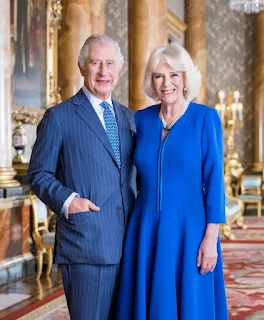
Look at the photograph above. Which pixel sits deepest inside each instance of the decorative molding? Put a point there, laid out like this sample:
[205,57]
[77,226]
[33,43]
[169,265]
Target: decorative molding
[19,259]
[21,168]
[175,25]
[27,115]
[6,178]
[54,13]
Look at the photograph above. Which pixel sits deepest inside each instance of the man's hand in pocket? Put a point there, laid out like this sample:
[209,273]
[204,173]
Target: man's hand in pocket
[82,205]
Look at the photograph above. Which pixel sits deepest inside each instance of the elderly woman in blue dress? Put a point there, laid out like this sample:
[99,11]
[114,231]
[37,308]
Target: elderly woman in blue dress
[172,265]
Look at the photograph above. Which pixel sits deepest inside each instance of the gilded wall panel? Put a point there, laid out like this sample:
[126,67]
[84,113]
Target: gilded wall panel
[116,26]
[230,52]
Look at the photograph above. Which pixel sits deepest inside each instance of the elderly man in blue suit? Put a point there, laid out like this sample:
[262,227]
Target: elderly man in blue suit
[82,168]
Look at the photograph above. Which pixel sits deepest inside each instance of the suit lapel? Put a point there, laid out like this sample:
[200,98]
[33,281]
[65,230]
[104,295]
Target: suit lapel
[87,113]
[122,128]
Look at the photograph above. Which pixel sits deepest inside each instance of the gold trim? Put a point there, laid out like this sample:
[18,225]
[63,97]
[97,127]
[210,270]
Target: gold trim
[6,178]
[258,167]
[21,168]
[27,115]
[175,25]
[237,218]
[54,10]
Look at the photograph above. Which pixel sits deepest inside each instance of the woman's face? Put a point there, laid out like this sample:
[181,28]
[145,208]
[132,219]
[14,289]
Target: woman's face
[168,84]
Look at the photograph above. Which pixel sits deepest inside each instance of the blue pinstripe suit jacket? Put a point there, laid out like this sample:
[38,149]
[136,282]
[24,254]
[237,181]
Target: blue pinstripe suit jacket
[73,153]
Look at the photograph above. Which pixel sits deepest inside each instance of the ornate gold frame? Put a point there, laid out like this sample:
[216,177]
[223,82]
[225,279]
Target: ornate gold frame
[175,25]
[53,18]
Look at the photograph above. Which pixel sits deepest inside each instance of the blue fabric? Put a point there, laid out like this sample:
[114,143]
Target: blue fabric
[95,287]
[72,153]
[251,183]
[181,190]
[48,237]
[41,210]
[111,130]
[233,208]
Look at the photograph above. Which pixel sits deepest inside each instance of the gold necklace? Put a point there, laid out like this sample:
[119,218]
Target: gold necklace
[167,126]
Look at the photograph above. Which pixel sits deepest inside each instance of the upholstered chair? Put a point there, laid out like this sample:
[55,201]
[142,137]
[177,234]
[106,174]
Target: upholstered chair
[234,214]
[251,191]
[44,240]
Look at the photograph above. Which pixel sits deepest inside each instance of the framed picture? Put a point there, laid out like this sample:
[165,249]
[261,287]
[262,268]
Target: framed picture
[34,32]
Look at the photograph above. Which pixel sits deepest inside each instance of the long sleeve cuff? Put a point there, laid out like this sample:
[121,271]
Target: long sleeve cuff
[66,204]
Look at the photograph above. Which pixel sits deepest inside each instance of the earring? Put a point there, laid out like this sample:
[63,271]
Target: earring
[184,89]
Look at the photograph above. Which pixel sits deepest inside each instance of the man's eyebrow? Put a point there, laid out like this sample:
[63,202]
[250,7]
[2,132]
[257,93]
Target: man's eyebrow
[101,60]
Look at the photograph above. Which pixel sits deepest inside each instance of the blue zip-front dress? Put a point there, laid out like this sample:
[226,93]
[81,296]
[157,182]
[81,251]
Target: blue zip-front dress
[181,190]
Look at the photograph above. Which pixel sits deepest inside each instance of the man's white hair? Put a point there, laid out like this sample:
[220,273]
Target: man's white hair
[178,59]
[102,39]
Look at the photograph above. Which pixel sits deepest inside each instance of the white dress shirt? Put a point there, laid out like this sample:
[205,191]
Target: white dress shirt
[95,102]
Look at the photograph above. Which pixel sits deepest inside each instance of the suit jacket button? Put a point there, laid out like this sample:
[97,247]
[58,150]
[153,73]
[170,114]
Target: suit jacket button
[118,208]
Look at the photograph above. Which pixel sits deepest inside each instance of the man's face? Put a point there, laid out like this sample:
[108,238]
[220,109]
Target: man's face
[101,70]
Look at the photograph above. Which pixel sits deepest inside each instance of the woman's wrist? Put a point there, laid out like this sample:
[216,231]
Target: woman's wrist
[212,231]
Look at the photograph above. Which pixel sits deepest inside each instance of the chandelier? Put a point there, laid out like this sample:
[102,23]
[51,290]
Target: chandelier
[247,6]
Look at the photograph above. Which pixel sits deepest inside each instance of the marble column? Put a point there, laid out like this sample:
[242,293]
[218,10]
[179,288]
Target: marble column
[6,170]
[80,19]
[259,94]
[195,39]
[147,30]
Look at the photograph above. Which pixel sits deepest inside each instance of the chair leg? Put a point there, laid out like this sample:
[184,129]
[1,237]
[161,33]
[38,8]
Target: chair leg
[50,258]
[240,223]
[39,262]
[259,209]
[226,230]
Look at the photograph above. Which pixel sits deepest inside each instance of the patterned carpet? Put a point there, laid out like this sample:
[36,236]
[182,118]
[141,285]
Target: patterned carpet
[61,312]
[244,275]
[254,222]
[253,234]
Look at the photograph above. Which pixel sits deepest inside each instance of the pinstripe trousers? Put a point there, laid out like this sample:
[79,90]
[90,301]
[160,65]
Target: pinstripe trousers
[90,290]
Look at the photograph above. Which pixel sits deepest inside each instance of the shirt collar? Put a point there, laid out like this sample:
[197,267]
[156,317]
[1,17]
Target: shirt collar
[95,101]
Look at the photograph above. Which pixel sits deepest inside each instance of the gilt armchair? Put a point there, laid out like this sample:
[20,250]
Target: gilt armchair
[234,209]
[44,240]
[251,191]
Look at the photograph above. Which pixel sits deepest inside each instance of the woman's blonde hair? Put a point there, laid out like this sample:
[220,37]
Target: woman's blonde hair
[178,59]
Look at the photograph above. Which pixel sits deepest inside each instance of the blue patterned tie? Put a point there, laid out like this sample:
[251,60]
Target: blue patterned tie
[111,130]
